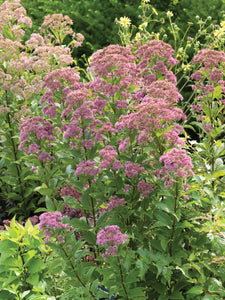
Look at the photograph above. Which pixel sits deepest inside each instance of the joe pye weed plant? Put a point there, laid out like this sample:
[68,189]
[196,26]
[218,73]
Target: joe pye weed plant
[128,204]
[22,67]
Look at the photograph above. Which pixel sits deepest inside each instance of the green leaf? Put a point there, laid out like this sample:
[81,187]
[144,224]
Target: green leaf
[90,237]
[80,224]
[163,297]
[195,290]
[9,180]
[101,220]
[218,174]
[33,279]
[177,296]
[35,265]
[49,204]
[44,191]
[136,293]
[25,294]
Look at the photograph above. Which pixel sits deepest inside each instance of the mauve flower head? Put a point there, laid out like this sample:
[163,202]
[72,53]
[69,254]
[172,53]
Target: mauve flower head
[172,136]
[71,130]
[45,156]
[114,58]
[145,188]
[88,143]
[155,49]
[58,23]
[196,107]
[175,159]
[111,235]
[114,201]
[50,222]
[215,74]
[70,190]
[175,162]
[133,169]
[209,58]
[12,13]
[171,77]
[109,155]
[87,168]
[117,165]
[111,250]
[208,127]
[164,89]
[54,78]
[34,128]
[196,76]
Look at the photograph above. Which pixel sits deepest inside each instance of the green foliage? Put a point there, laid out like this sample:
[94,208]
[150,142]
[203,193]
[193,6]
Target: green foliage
[23,265]
[94,19]
[169,241]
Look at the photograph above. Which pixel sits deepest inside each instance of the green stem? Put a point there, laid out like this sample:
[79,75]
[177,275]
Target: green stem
[122,279]
[18,170]
[174,221]
[74,270]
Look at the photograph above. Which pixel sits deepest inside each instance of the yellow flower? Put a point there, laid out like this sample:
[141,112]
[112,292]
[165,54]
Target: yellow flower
[222,24]
[186,67]
[143,25]
[219,32]
[124,21]
[169,14]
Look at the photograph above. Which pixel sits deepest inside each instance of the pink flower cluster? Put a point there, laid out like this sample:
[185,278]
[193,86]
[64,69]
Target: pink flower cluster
[34,130]
[114,201]
[207,79]
[111,236]
[145,188]
[177,164]
[70,190]
[153,56]
[113,59]
[209,58]
[133,169]
[50,222]
[87,168]
[109,155]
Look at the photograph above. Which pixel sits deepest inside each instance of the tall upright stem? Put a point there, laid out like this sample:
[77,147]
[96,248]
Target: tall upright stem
[174,220]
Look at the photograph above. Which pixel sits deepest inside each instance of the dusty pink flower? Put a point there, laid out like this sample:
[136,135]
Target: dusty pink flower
[111,235]
[69,190]
[114,201]
[34,128]
[109,155]
[145,188]
[196,107]
[208,127]
[209,58]
[165,90]
[50,222]
[114,58]
[176,164]
[45,156]
[133,169]
[86,168]
[111,250]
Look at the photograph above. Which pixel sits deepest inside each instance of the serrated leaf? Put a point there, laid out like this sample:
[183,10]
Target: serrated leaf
[195,290]
[43,191]
[33,279]
[80,224]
